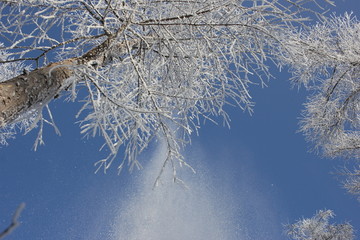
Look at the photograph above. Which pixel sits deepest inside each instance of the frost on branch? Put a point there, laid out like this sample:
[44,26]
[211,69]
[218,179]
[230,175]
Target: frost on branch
[352,181]
[326,59]
[151,69]
[319,228]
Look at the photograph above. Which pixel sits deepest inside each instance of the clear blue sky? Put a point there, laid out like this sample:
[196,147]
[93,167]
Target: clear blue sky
[251,179]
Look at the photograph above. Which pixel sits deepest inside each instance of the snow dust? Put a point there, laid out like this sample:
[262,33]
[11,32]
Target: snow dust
[203,210]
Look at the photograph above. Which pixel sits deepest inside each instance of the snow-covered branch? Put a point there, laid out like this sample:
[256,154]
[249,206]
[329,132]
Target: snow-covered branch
[326,59]
[152,69]
[318,227]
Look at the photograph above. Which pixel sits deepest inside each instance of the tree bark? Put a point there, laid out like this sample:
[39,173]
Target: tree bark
[35,88]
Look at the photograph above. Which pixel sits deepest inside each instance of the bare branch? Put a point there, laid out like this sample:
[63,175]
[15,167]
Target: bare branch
[14,222]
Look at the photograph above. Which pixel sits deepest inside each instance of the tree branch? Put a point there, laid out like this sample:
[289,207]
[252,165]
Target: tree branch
[14,222]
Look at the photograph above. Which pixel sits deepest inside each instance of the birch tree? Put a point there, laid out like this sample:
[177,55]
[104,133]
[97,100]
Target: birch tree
[319,228]
[150,69]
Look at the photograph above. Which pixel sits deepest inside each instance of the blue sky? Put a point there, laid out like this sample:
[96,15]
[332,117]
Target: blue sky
[251,179]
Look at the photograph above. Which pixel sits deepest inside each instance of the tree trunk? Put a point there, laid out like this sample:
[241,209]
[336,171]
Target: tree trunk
[31,89]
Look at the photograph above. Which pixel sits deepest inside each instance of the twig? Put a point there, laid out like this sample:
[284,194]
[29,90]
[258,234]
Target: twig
[14,222]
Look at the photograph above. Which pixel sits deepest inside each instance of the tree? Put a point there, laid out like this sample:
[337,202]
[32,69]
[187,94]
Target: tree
[149,68]
[319,228]
[326,59]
